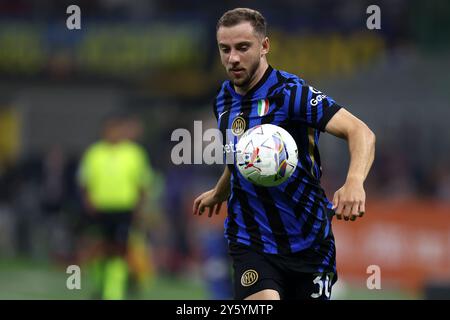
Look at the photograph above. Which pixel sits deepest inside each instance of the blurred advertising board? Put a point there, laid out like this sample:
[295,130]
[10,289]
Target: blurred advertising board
[408,239]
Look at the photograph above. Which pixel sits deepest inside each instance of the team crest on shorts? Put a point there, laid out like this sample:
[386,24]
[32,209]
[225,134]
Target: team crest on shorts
[238,126]
[249,277]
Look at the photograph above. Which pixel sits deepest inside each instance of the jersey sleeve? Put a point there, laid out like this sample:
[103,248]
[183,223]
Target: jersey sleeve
[84,170]
[214,107]
[145,170]
[312,107]
[215,101]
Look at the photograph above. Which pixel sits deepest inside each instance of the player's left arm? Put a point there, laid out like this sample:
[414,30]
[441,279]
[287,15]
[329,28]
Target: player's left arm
[349,201]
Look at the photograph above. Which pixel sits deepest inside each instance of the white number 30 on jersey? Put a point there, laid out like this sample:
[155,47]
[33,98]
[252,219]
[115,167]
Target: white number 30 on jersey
[324,285]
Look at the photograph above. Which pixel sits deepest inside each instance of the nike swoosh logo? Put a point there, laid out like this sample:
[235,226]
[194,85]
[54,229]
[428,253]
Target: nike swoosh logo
[222,113]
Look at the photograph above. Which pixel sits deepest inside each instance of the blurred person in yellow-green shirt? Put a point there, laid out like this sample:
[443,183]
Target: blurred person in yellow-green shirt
[114,176]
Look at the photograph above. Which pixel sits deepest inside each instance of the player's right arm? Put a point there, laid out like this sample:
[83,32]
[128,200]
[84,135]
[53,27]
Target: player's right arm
[214,198]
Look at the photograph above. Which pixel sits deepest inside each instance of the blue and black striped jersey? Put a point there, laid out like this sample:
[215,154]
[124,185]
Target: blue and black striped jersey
[296,214]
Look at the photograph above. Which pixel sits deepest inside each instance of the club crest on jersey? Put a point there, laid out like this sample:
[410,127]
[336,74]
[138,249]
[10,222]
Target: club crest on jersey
[238,126]
[249,278]
[263,107]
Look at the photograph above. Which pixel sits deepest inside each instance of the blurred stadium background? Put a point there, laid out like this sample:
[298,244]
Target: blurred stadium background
[158,60]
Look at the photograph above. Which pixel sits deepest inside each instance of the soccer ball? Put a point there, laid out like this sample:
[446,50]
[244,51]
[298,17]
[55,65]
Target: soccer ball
[266,155]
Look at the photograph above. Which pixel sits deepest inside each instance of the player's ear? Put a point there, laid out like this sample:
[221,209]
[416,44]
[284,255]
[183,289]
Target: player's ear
[265,46]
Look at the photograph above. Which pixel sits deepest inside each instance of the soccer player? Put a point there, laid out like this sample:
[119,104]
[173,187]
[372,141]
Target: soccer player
[280,238]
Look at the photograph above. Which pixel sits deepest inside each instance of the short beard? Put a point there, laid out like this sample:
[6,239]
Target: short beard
[251,75]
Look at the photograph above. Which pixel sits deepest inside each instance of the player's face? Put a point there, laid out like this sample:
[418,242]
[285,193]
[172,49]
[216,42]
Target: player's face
[241,51]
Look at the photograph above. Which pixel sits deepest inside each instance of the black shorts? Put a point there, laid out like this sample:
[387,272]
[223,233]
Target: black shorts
[114,226]
[255,271]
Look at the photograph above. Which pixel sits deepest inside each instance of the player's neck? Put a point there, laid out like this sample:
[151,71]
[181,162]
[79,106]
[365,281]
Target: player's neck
[259,73]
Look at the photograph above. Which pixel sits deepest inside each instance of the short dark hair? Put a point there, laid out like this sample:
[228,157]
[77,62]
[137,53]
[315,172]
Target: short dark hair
[238,15]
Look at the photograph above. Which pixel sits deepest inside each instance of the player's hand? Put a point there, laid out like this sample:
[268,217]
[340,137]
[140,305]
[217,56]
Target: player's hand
[210,200]
[350,200]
